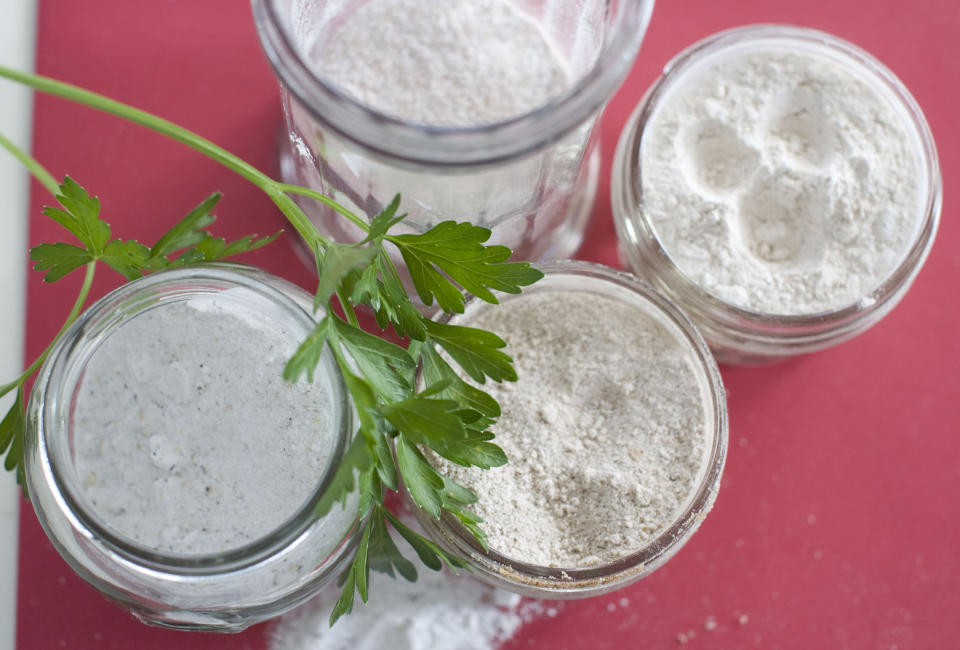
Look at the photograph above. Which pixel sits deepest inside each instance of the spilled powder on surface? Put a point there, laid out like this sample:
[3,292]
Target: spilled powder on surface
[438,611]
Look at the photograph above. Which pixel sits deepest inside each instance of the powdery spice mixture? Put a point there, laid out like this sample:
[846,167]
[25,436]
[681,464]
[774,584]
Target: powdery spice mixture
[187,438]
[605,431]
[450,63]
[782,182]
[437,612]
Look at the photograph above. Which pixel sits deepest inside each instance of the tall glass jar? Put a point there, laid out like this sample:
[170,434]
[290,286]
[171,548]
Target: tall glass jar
[531,179]
[240,583]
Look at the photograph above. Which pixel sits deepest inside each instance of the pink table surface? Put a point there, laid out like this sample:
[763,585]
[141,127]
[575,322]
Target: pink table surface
[837,525]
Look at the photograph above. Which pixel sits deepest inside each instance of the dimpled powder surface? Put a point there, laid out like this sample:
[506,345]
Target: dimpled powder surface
[782,182]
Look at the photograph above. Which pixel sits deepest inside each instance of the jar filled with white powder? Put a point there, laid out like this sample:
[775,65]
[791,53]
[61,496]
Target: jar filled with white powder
[616,434]
[172,466]
[781,185]
[479,110]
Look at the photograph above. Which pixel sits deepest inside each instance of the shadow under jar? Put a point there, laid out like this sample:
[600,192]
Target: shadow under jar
[616,437]
[172,466]
[779,184]
[478,110]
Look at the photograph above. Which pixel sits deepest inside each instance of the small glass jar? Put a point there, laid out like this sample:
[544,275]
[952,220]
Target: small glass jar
[223,591]
[531,179]
[500,570]
[738,335]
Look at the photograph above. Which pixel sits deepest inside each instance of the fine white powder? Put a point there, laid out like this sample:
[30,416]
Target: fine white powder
[782,182]
[187,439]
[439,611]
[605,431]
[450,63]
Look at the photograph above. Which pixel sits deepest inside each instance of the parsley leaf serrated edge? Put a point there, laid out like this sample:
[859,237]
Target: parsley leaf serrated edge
[452,253]
[278,192]
[13,430]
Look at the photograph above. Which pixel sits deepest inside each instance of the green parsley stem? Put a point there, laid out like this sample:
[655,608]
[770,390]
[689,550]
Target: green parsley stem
[348,309]
[47,180]
[275,190]
[393,267]
[326,200]
[71,317]
[341,360]
[32,164]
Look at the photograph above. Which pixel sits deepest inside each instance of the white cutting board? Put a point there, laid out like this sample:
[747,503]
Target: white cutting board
[17,37]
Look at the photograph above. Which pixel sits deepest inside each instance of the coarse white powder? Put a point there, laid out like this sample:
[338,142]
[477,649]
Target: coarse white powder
[187,439]
[449,63]
[437,612]
[605,430]
[782,182]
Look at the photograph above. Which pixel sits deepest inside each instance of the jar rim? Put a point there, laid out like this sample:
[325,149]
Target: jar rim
[53,395]
[485,144]
[812,329]
[561,582]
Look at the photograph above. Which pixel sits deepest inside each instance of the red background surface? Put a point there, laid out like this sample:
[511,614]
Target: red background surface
[837,525]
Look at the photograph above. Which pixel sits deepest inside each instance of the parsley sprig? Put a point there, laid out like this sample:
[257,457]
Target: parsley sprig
[396,422]
[187,242]
[450,416]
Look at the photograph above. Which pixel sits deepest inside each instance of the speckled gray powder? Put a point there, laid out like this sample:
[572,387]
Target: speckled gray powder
[605,431]
[186,437]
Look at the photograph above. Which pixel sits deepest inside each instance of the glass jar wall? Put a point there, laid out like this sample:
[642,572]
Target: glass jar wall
[530,178]
[172,466]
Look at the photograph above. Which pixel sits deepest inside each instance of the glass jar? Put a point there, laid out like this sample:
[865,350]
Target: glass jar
[738,335]
[531,179]
[241,583]
[497,568]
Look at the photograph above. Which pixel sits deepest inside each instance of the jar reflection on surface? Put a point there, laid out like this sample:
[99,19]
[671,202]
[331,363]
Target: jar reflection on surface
[531,179]
[225,591]
[495,566]
[738,335]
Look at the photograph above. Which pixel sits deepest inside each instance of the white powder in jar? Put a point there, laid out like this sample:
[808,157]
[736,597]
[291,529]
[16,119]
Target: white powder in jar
[449,63]
[605,431]
[186,437]
[782,182]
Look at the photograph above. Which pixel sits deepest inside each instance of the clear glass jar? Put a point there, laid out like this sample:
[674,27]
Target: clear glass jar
[530,179]
[498,569]
[738,335]
[224,591]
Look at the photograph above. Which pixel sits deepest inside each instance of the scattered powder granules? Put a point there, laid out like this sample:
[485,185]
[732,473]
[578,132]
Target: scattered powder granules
[450,63]
[187,438]
[437,612]
[781,182]
[604,431]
